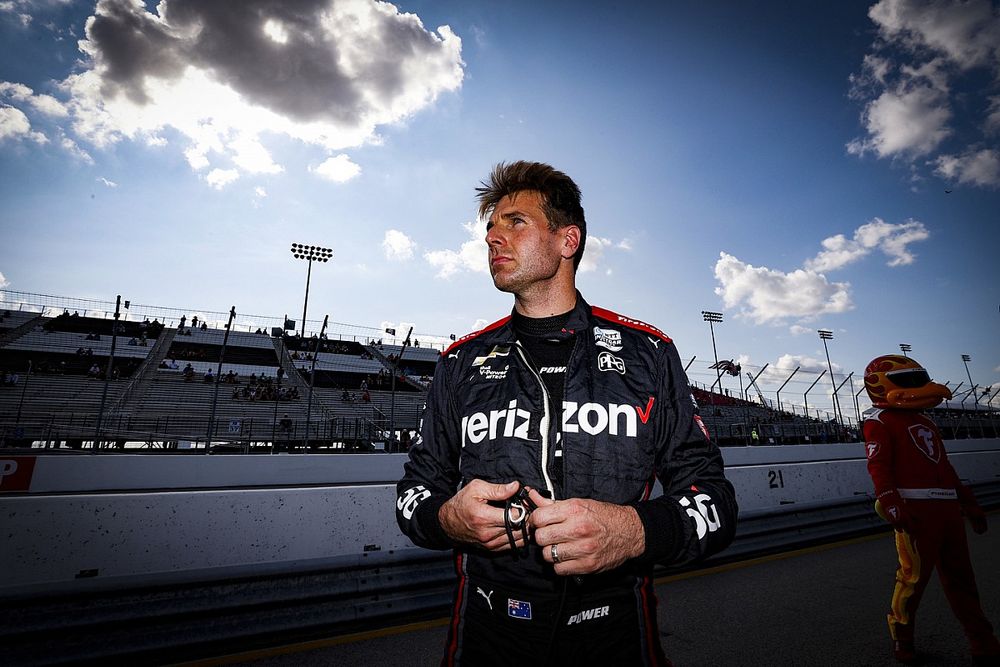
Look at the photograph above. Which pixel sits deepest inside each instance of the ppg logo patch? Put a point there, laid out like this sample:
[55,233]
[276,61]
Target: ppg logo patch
[871,449]
[609,362]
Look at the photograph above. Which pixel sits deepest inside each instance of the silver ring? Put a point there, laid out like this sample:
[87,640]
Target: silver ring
[555,553]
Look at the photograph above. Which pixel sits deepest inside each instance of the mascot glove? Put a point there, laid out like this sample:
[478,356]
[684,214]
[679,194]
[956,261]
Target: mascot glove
[977,519]
[894,510]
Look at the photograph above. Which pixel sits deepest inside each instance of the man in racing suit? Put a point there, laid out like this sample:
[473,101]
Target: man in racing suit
[573,412]
[918,491]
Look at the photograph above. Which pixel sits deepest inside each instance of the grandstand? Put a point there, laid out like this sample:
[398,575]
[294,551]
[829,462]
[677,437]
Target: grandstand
[161,379]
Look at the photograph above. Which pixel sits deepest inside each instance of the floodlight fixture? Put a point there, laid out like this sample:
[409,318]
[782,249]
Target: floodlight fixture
[309,253]
[904,348]
[713,317]
[825,335]
[965,360]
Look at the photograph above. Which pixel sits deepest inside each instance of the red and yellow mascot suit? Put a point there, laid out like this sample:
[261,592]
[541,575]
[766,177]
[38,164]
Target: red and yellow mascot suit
[919,493]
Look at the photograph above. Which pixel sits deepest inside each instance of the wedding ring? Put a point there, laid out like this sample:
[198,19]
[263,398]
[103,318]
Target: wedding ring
[555,553]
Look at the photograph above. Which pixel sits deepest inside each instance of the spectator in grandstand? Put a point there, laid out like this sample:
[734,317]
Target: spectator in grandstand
[208,376]
[918,492]
[194,322]
[204,326]
[133,341]
[188,373]
[183,320]
[164,364]
[551,512]
[94,371]
[344,396]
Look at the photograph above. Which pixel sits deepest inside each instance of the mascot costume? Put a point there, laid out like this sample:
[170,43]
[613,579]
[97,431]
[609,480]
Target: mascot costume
[919,493]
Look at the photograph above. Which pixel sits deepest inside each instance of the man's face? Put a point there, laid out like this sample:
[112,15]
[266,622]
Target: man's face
[523,250]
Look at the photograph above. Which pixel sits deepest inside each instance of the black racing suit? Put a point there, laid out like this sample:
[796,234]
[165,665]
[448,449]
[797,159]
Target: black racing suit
[627,418]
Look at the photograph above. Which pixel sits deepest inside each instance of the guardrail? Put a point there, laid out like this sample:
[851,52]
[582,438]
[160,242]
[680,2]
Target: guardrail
[159,624]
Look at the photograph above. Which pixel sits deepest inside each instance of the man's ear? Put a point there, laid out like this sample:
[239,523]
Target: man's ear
[571,241]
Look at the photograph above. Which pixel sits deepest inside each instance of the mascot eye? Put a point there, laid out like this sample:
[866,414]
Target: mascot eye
[908,379]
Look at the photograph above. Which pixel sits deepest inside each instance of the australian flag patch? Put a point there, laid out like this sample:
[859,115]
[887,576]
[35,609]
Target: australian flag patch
[518,609]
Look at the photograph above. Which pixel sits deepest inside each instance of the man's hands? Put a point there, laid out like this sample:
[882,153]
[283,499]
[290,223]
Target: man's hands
[589,535]
[468,517]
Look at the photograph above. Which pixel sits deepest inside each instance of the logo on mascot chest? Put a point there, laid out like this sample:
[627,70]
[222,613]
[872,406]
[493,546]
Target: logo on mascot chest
[923,438]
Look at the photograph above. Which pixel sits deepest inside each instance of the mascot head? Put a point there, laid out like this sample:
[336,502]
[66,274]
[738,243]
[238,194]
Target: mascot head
[899,382]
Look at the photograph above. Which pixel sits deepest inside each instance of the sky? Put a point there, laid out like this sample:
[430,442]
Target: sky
[794,166]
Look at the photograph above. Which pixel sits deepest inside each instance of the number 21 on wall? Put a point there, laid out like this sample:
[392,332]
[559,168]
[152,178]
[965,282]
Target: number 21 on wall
[775,480]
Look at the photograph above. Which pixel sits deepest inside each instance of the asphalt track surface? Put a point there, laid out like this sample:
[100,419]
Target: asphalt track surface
[820,606]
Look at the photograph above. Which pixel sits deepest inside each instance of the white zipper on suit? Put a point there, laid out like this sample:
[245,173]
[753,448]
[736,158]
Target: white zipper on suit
[543,426]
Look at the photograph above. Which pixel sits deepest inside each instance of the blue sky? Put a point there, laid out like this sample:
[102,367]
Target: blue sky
[793,166]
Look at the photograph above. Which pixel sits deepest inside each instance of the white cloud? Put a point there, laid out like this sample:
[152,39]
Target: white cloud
[249,154]
[891,239]
[74,149]
[799,330]
[967,32]
[338,169]
[593,253]
[15,125]
[778,371]
[110,184]
[3,281]
[259,194]
[768,295]
[471,256]
[980,168]
[397,245]
[912,122]
[225,79]
[45,104]
[220,178]
[923,68]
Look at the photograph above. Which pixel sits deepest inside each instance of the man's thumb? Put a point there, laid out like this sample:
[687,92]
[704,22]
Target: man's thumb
[499,491]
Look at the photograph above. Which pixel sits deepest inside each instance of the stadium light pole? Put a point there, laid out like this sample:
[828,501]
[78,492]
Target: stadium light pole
[712,318]
[395,368]
[965,360]
[309,253]
[904,348]
[110,367]
[218,378]
[825,335]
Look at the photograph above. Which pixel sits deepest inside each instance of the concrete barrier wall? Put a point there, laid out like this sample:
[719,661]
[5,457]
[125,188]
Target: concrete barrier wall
[92,522]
